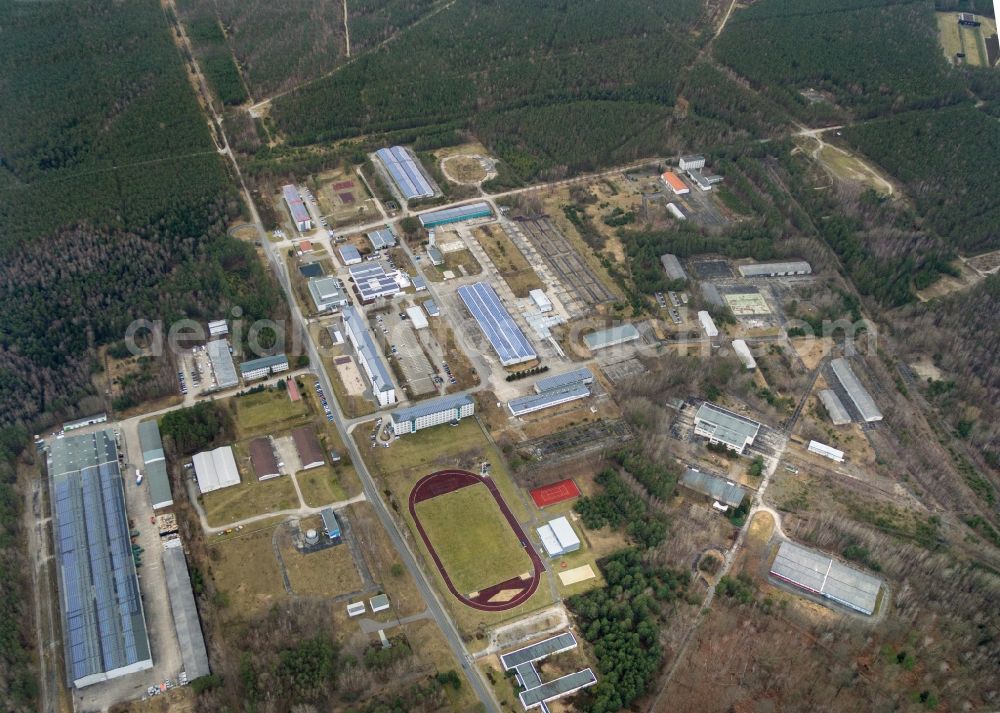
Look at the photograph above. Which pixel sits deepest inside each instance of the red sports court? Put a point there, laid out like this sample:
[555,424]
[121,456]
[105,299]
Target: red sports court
[343,185]
[555,493]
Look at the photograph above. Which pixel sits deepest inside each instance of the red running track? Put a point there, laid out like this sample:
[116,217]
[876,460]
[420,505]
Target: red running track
[447,481]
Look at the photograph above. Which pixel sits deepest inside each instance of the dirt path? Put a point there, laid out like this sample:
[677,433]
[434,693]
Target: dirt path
[347,33]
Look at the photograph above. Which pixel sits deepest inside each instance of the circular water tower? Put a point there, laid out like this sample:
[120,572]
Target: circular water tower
[312,537]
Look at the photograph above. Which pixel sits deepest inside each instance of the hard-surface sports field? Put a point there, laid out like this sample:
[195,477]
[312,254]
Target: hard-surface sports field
[478,546]
[553,493]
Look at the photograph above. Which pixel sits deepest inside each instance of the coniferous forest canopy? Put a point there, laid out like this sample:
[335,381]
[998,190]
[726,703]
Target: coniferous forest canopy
[611,70]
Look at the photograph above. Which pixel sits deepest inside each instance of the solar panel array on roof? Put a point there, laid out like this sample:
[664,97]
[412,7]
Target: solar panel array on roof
[562,686]
[104,627]
[349,255]
[827,577]
[523,405]
[506,338]
[455,215]
[716,488]
[405,173]
[382,238]
[858,394]
[372,280]
[569,378]
[538,651]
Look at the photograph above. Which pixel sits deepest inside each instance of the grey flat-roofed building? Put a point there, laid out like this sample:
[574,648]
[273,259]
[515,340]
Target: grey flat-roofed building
[155,465]
[85,421]
[218,328]
[222,364]
[691,162]
[558,688]
[569,378]
[672,266]
[104,626]
[500,329]
[405,173]
[297,208]
[381,239]
[538,651]
[611,337]
[349,255]
[712,486]
[432,413]
[263,367]
[326,293]
[368,356]
[856,392]
[820,574]
[524,405]
[711,294]
[776,269]
[194,656]
[720,425]
[456,215]
[834,407]
[527,676]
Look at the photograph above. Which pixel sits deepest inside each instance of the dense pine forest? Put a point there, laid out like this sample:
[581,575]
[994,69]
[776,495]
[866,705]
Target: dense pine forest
[114,205]
[943,157]
[607,71]
[872,56]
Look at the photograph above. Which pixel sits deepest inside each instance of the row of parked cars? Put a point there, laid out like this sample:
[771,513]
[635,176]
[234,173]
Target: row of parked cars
[322,399]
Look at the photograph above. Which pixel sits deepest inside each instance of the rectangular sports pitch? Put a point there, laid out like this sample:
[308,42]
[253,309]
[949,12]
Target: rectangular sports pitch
[472,538]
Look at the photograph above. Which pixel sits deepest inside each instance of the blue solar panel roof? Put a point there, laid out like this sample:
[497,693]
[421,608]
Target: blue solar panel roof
[500,329]
[102,612]
[405,173]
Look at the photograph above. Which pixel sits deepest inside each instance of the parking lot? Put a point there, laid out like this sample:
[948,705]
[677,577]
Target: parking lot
[406,351]
[198,370]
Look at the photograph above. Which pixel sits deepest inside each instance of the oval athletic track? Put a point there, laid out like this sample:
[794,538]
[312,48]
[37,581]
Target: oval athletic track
[447,481]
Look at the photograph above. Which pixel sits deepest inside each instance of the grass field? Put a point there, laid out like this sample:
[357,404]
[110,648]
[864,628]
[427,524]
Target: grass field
[248,588]
[251,497]
[513,266]
[472,538]
[969,40]
[267,412]
[320,486]
[325,573]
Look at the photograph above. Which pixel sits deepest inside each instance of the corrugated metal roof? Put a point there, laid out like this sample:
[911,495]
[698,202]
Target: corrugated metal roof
[300,214]
[672,266]
[765,269]
[834,407]
[858,394]
[714,487]
[194,656]
[729,427]
[216,469]
[500,329]
[383,238]
[610,337]
[823,575]
[307,445]
[451,215]
[262,458]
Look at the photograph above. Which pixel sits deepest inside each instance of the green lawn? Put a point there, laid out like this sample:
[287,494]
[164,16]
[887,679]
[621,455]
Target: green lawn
[267,411]
[320,486]
[249,498]
[472,538]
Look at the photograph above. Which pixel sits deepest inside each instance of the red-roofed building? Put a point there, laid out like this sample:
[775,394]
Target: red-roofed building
[306,246]
[293,389]
[674,183]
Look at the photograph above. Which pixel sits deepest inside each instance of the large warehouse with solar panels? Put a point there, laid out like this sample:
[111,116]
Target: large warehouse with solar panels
[456,215]
[104,626]
[405,173]
[502,332]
